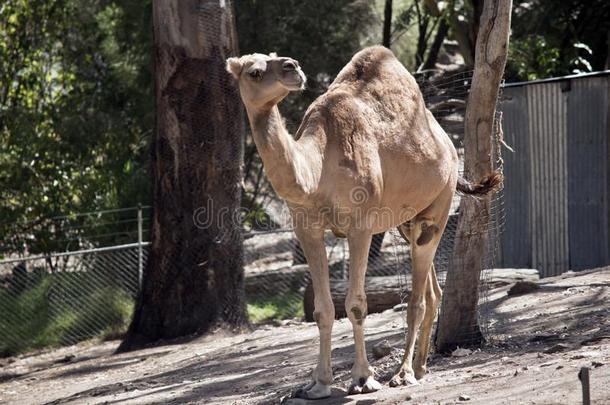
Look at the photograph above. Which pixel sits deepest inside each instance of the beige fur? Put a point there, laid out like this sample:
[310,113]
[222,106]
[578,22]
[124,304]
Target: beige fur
[367,157]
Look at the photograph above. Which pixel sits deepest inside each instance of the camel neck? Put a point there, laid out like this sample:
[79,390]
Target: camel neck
[286,163]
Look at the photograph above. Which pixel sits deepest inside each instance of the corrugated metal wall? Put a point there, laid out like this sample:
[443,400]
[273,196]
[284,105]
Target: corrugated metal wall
[516,240]
[557,181]
[588,168]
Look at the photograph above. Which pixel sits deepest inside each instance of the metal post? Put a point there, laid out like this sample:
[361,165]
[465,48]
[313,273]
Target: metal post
[140,247]
[583,376]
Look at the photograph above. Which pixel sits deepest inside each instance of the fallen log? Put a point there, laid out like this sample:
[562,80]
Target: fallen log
[279,280]
[382,292]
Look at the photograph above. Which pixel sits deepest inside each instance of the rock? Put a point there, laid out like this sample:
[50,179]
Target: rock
[408,397]
[559,347]
[522,287]
[545,338]
[382,349]
[399,307]
[459,352]
[594,340]
[66,359]
[596,364]
[464,397]
[584,355]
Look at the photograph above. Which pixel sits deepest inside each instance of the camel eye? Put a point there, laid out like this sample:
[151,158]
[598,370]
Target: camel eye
[256,74]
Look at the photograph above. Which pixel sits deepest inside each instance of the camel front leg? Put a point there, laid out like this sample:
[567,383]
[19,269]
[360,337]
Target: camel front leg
[312,242]
[363,380]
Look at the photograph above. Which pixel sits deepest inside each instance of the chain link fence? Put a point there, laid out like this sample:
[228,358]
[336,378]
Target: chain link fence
[70,278]
[64,298]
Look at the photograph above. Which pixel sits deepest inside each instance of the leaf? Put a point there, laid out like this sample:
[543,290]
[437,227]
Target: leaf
[580,45]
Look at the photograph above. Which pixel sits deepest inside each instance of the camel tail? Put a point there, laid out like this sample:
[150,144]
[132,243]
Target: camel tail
[485,186]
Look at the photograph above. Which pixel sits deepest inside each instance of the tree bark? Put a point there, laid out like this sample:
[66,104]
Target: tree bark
[194,277]
[458,323]
[387,24]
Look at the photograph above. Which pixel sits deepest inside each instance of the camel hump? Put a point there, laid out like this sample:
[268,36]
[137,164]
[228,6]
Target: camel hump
[370,63]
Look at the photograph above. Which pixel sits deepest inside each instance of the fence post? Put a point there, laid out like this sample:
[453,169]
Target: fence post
[140,252]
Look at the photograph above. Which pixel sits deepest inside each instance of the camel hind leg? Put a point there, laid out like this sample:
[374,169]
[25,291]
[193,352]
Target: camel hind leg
[433,300]
[424,234]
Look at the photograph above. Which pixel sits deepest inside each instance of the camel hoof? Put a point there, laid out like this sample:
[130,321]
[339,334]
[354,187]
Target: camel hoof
[420,372]
[364,386]
[403,378]
[313,390]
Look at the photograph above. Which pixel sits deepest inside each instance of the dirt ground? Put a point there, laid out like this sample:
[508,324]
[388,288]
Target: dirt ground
[542,339]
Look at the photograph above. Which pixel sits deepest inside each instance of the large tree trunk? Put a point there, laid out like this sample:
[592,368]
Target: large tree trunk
[194,278]
[458,323]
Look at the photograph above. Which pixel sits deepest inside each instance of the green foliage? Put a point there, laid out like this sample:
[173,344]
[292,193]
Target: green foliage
[56,309]
[272,308]
[75,110]
[558,38]
[532,58]
[255,216]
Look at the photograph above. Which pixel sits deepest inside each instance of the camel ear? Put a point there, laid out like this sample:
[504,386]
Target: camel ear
[234,67]
[273,54]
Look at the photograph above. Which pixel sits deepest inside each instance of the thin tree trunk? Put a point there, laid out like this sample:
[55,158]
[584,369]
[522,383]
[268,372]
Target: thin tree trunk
[465,32]
[441,34]
[422,28]
[387,24]
[194,277]
[458,323]
[607,66]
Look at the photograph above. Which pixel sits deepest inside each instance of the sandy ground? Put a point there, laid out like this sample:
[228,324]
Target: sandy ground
[543,338]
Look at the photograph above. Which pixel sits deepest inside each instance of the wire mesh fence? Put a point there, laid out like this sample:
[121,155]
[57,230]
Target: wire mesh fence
[64,298]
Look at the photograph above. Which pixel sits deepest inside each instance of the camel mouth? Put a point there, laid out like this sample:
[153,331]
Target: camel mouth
[295,86]
[295,83]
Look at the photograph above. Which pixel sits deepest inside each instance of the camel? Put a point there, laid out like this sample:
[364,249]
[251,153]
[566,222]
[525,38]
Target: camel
[367,157]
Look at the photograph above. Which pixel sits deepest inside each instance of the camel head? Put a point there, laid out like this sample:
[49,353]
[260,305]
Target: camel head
[264,80]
